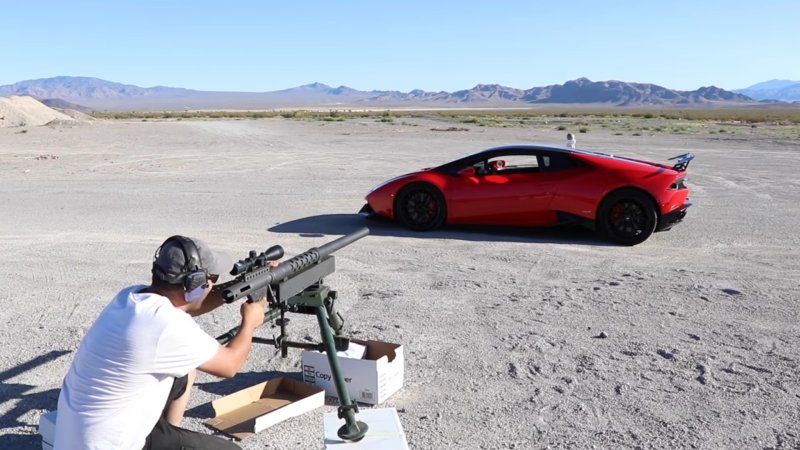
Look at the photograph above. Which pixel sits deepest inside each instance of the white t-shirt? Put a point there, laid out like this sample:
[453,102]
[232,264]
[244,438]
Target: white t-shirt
[119,381]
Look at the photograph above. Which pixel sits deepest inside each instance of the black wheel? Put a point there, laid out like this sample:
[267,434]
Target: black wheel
[421,207]
[628,217]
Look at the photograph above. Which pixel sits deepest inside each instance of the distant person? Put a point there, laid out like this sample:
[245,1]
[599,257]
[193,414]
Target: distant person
[129,383]
[571,141]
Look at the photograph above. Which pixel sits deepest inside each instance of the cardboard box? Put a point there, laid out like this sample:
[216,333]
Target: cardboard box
[259,407]
[47,429]
[370,380]
[354,351]
[384,432]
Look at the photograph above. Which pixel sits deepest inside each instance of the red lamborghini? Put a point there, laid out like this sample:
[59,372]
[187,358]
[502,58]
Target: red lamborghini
[529,185]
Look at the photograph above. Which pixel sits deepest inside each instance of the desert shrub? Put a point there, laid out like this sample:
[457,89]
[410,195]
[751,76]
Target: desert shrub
[492,123]
[748,116]
[561,128]
[583,130]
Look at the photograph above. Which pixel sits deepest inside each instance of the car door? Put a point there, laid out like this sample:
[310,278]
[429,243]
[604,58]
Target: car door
[508,189]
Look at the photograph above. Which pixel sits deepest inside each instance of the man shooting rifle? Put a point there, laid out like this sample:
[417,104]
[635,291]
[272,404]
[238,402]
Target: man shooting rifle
[129,384]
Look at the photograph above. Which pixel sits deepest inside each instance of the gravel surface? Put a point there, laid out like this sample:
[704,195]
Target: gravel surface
[513,338]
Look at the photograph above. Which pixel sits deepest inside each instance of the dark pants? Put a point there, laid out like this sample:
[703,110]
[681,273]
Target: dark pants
[166,436]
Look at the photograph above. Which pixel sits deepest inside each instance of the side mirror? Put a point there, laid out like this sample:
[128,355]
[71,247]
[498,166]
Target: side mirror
[467,172]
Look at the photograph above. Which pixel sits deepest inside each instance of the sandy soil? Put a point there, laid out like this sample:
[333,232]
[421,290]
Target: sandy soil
[501,327]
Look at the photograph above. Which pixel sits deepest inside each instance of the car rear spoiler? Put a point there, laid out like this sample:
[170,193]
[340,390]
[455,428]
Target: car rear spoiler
[683,162]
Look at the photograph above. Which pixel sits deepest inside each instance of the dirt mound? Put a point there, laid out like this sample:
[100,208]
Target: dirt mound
[77,115]
[21,111]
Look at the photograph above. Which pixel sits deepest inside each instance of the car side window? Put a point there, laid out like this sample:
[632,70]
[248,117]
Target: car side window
[514,164]
[481,168]
[552,162]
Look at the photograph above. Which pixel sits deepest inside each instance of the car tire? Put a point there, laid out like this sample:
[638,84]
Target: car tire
[628,217]
[421,207]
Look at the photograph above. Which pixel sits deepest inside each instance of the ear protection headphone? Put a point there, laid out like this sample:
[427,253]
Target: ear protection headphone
[193,275]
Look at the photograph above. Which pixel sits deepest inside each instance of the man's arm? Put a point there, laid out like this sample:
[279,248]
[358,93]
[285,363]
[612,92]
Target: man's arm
[229,359]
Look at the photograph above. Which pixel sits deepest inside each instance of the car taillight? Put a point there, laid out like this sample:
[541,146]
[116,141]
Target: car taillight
[678,184]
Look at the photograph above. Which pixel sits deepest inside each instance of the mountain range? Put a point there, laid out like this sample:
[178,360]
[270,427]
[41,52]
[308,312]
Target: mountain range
[93,94]
[784,90]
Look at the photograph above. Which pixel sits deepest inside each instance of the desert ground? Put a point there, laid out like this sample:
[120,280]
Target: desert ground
[513,338]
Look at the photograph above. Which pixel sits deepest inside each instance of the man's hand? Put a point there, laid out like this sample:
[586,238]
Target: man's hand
[253,313]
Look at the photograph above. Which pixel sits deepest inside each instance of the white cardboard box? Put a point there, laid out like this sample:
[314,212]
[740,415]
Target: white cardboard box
[370,380]
[47,429]
[259,407]
[384,432]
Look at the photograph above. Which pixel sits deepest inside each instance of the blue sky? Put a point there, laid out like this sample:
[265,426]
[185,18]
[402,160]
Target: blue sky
[401,45]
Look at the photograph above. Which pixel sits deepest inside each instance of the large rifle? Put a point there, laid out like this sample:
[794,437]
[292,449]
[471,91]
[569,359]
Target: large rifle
[296,286]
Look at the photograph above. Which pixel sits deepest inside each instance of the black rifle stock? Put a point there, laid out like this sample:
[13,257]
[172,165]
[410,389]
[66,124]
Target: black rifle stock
[296,285]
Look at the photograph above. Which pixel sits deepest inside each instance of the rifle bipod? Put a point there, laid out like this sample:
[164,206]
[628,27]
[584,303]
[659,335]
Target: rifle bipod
[319,300]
